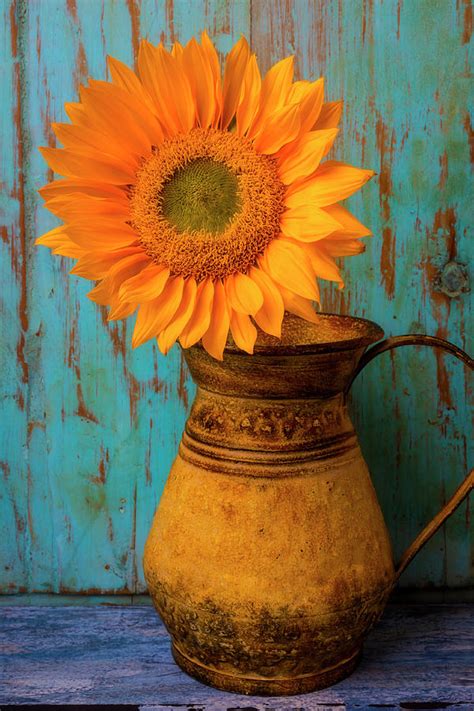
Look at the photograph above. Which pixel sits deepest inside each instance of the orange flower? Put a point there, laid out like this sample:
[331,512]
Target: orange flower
[202,202]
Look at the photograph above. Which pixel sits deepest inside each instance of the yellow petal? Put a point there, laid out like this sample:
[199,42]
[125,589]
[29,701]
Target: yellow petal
[167,83]
[334,181]
[96,265]
[342,247]
[309,96]
[77,113]
[215,338]
[107,291]
[145,286]
[330,115]
[250,96]
[307,223]
[177,51]
[201,80]
[121,310]
[243,293]
[60,243]
[298,305]
[276,86]
[114,112]
[124,77]
[73,164]
[243,331]
[234,73]
[70,186]
[280,128]
[201,317]
[298,161]
[70,208]
[106,233]
[270,316]
[168,335]
[350,225]
[92,143]
[323,265]
[153,316]
[213,60]
[290,266]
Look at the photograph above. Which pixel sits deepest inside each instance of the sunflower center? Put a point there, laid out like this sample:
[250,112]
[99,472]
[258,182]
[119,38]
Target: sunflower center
[201,196]
[206,204]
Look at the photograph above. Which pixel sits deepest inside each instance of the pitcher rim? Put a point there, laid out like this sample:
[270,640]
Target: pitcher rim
[366,333]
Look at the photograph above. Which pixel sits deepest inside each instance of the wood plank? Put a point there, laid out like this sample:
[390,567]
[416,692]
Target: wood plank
[16,529]
[417,655]
[406,116]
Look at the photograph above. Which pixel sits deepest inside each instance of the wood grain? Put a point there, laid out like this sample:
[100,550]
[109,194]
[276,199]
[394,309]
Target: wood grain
[90,427]
[418,655]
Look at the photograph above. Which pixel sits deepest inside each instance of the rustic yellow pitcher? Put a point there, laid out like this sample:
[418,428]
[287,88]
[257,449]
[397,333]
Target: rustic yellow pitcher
[268,558]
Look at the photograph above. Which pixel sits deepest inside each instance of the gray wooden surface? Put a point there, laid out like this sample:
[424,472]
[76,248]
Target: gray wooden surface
[419,656]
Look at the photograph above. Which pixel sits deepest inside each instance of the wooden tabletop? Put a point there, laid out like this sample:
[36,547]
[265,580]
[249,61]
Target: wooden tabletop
[419,656]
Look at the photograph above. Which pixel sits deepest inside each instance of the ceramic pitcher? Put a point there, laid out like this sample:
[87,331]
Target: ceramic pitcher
[268,558]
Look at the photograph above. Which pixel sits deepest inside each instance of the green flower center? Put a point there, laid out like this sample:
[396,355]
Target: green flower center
[203,195]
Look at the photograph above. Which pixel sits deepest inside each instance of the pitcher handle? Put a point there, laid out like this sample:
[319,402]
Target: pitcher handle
[468,484]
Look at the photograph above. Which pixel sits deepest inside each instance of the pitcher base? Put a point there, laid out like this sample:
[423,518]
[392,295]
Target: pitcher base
[260,686]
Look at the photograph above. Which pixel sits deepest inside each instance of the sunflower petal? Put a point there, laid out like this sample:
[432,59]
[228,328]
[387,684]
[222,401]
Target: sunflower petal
[243,331]
[350,225]
[177,51]
[167,83]
[330,115]
[71,186]
[215,338]
[213,61]
[106,292]
[276,86]
[201,80]
[124,77]
[342,247]
[307,224]
[290,266]
[60,243]
[334,181]
[153,316]
[105,233]
[95,208]
[146,285]
[234,73]
[121,310]
[243,293]
[75,165]
[298,305]
[250,96]
[303,158]
[96,265]
[170,333]
[114,112]
[323,265]
[280,128]
[270,316]
[201,316]
[309,96]
[89,142]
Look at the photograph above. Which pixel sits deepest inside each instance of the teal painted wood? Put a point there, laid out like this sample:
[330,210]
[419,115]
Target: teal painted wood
[90,427]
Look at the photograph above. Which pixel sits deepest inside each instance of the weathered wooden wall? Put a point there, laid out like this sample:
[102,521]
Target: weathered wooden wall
[89,428]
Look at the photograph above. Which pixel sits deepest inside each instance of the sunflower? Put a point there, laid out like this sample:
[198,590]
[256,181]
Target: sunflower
[201,202]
